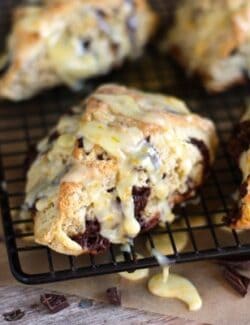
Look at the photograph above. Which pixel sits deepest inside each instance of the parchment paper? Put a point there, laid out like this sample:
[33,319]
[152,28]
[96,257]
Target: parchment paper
[221,304]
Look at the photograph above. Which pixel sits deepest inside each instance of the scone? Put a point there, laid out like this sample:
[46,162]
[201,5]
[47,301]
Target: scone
[211,38]
[63,42]
[240,149]
[114,167]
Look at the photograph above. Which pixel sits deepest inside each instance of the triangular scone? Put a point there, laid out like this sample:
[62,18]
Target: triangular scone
[212,39]
[65,41]
[115,168]
[240,150]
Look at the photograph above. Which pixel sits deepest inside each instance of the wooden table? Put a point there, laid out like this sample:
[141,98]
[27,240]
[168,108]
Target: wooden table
[28,300]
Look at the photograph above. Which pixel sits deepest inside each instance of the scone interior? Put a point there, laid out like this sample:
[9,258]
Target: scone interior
[65,42]
[212,38]
[115,166]
[240,150]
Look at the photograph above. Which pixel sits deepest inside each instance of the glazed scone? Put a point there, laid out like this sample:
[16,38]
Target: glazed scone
[240,150]
[65,42]
[211,38]
[116,167]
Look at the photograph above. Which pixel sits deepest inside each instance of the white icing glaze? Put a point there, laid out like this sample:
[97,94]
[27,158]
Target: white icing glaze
[168,285]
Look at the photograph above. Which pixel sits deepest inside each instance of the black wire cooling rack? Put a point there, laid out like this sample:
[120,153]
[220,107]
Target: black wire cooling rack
[23,124]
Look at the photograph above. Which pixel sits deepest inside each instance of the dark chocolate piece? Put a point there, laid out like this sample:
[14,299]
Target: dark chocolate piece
[238,281]
[114,296]
[140,197]
[53,302]
[240,140]
[201,146]
[91,238]
[13,315]
[80,142]
[86,43]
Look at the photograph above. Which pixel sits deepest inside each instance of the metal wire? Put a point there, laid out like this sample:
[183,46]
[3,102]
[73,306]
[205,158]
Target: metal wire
[24,124]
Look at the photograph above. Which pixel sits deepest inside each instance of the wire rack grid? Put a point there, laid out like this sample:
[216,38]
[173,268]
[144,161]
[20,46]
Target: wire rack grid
[23,124]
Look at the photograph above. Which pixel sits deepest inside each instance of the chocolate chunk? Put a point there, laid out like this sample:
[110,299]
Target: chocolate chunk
[201,146]
[110,190]
[30,157]
[53,302]
[80,143]
[14,315]
[86,43]
[53,136]
[146,225]
[240,140]
[114,296]
[140,197]
[236,213]
[85,303]
[91,238]
[243,188]
[239,282]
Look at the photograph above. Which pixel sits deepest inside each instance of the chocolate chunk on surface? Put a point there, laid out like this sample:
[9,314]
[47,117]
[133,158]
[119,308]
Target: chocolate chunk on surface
[238,281]
[114,296]
[13,315]
[54,302]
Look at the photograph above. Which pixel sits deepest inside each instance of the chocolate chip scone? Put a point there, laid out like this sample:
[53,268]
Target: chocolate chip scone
[116,167]
[63,42]
[240,150]
[212,39]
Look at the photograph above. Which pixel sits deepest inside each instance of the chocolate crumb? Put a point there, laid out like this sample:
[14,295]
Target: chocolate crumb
[238,281]
[114,296]
[53,302]
[110,190]
[14,315]
[85,303]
